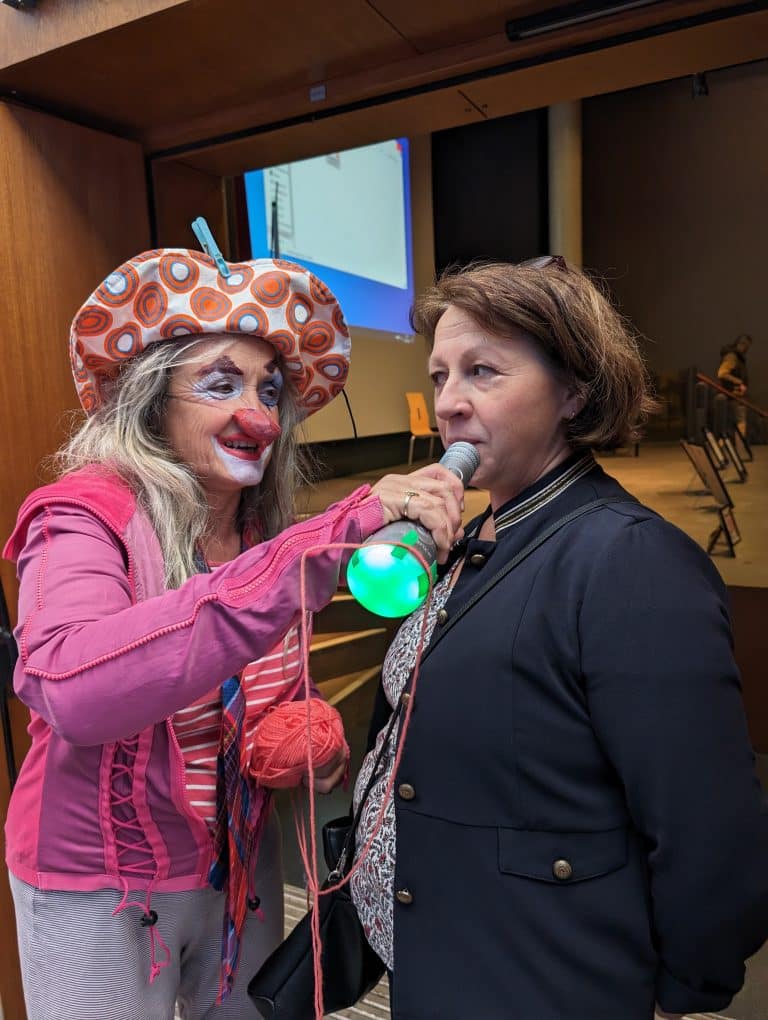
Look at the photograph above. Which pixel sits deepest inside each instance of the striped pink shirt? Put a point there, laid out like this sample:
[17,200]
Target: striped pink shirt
[198,727]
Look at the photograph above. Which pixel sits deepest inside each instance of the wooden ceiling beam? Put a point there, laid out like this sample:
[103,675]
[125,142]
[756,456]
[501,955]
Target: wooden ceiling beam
[417,72]
[415,116]
[177,72]
[702,48]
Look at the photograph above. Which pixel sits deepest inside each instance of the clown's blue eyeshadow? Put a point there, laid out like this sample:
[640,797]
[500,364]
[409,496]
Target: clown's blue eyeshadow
[271,388]
[219,385]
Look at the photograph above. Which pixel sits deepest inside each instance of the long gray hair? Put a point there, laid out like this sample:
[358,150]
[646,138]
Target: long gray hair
[127,434]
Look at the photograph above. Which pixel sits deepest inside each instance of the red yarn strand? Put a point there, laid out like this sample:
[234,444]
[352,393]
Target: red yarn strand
[309,854]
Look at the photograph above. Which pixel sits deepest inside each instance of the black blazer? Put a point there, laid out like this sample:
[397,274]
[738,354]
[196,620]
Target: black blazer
[584,833]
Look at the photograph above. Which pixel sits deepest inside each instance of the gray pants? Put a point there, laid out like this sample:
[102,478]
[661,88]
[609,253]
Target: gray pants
[80,963]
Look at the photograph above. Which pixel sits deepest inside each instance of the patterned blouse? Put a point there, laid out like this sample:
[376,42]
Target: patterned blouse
[372,885]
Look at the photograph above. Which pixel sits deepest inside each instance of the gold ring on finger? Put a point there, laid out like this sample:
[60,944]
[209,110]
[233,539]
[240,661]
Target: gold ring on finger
[409,494]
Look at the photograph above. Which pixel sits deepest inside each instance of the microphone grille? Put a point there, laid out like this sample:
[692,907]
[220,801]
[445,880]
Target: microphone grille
[462,459]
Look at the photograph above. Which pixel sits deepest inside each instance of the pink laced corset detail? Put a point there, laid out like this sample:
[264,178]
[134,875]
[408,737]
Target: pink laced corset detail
[134,852]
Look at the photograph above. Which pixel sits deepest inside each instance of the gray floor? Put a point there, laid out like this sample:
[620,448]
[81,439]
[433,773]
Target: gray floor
[661,478]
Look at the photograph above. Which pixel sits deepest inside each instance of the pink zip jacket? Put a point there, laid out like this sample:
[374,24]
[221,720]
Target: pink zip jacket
[108,655]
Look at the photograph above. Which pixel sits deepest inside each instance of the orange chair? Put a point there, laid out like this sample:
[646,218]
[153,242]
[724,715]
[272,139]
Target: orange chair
[420,427]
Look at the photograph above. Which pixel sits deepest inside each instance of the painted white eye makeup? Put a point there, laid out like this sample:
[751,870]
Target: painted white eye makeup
[226,382]
[218,385]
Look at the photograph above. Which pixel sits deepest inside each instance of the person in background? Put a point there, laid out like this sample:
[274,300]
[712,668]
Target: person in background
[733,376]
[159,617]
[576,830]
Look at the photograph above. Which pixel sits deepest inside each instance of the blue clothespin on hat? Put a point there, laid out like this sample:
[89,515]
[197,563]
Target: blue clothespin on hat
[209,246]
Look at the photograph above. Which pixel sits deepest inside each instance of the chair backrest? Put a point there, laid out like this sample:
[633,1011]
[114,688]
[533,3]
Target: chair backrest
[417,408]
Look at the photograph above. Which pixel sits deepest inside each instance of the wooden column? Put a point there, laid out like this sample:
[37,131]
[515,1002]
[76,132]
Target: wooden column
[72,207]
[565,181]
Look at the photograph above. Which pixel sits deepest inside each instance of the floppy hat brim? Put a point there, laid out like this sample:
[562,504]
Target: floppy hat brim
[167,294]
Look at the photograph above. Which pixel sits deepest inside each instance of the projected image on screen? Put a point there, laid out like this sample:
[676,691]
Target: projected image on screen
[345,216]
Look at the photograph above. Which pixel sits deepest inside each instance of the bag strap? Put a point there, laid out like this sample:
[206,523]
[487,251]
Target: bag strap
[349,842]
[524,553]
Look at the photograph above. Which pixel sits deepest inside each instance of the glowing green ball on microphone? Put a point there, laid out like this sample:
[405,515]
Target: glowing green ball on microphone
[387,579]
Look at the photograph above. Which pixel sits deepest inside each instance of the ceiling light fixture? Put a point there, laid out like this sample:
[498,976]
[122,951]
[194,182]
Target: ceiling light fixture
[568,16]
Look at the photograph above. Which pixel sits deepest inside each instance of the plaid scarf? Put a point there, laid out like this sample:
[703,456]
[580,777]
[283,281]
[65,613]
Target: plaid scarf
[234,835]
[240,816]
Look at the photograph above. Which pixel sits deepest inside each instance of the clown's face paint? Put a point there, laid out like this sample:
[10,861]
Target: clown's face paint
[222,418]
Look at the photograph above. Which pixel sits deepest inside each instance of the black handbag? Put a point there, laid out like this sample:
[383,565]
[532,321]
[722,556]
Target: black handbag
[284,987]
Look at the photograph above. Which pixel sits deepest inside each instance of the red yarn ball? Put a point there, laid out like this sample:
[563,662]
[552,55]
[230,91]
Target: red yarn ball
[279,757]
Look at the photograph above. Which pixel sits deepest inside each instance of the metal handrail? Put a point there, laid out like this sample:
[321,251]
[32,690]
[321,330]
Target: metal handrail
[721,389]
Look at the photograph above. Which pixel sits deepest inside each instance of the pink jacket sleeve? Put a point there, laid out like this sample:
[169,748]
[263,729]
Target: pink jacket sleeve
[98,668]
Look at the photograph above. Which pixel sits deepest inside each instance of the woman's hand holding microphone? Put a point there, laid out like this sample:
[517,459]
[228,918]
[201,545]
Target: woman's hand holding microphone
[433,496]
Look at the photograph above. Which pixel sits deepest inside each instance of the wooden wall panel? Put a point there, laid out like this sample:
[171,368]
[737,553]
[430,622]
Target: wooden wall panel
[675,215]
[183,193]
[72,207]
[502,215]
[25,34]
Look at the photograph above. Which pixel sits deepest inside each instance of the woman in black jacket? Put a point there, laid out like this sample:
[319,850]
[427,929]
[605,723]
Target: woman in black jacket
[576,829]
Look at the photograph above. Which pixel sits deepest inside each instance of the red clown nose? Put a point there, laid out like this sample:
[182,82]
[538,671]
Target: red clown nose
[257,425]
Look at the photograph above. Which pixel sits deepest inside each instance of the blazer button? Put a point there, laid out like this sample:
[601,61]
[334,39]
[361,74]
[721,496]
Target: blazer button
[442,616]
[405,697]
[477,560]
[562,870]
[404,896]
[406,791]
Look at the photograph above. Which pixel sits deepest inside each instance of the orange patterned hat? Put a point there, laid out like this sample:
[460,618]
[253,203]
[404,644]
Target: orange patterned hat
[174,292]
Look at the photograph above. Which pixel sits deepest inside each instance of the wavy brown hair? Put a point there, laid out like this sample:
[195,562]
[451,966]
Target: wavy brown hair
[585,338]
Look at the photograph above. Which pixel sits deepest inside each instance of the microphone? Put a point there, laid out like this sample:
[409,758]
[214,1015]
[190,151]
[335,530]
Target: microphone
[385,578]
